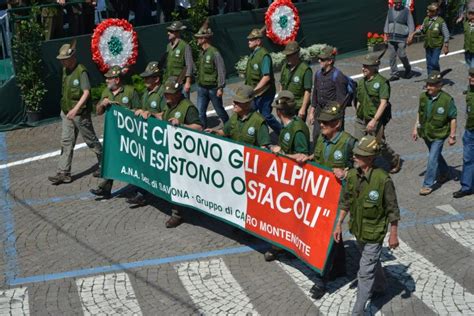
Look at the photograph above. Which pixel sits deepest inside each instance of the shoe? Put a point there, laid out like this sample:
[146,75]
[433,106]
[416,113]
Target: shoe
[408,74]
[464,92]
[443,178]
[101,192]
[271,254]
[397,166]
[394,78]
[139,199]
[354,284]
[173,222]
[317,292]
[60,177]
[377,294]
[426,191]
[460,194]
[96,173]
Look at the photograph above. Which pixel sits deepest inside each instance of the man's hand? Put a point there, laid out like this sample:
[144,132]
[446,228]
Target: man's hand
[338,232]
[187,87]
[303,157]
[372,125]
[451,141]
[220,92]
[340,173]
[209,130]
[174,121]
[142,113]
[61,2]
[445,49]
[275,149]
[311,116]
[459,19]
[302,113]
[414,134]
[393,241]
[72,114]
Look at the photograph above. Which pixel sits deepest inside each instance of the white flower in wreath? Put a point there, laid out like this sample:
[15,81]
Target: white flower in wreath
[373,195]
[338,155]
[251,131]
[283,21]
[440,110]
[125,100]
[177,115]
[116,46]
[75,83]
[296,79]
[153,104]
[376,85]
[286,137]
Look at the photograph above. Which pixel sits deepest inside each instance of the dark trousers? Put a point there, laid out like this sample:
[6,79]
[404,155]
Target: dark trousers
[336,265]
[263,104]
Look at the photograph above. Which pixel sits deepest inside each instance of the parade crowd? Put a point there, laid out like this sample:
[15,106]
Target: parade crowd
[289,108]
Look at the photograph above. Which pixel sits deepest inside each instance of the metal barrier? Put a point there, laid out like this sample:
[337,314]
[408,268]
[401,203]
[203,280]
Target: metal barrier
[5,35]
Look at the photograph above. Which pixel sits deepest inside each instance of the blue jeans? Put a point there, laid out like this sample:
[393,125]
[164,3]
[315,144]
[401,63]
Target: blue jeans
[263,104]
[204,96]
[467,175]
[432,59]
[469,57]
[436,162]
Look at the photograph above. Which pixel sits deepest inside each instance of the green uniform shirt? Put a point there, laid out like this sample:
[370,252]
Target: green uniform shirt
[372,202]
[469,36]
[184,111]
[250,129]
[433,32]
[294,137]
[207,72]
[470,110]
[335,152]
[260,64]
[73,85]
[369,97]
[298,81]
[175,61]
[435,115]
[154,101]
[127,97]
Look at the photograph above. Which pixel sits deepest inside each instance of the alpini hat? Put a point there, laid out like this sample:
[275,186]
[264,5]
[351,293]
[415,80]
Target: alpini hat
[436,77]
[66,51]
[176,26]
[285,100]
[367,146]
[433,7]
[204,32]
[151,69]
[255,33]
[328,52]
[373,59]
[172,85]
[291,48]
[333,111]
[244,94]
[113,72]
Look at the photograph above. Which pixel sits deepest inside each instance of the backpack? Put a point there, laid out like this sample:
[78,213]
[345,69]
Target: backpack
[350,88]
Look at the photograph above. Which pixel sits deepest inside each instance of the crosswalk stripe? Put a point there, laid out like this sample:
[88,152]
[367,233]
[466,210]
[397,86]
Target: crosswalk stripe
[109,294]
[462,232]
[14,302]
[213,289]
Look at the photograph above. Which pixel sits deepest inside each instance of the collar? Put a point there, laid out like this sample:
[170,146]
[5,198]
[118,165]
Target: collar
[294,118]
[155,89]
[255,50]
[435,97]
[366,176]
[119,90]
[245,117]
[176,44]
[325,73]
[333,140]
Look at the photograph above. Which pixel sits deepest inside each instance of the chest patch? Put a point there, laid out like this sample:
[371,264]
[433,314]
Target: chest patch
[373,195]
[296,79]
[177,115]
[125,100]
[208,59]
[376,85]
[337,155]
[153,104]
[255,66]
[75,83]
[286,137]
[177,53]
[440,110]
[468,109]
[251,131]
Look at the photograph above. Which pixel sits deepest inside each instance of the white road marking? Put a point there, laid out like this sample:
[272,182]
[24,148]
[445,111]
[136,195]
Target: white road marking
[213,289]
[110,294]
[14,302]
[462,232]
[82,145]
[448,209]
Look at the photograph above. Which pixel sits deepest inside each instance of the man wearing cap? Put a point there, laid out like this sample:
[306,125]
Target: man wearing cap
[76,109]
[469,36]
[297,77]
[436,37]
[153,102]
[330,85]
[259,75]
[211,77]
[436,121]
[245,124]
[119,94]
[333,149]
[178,111]
[179,56]
[373,108]
[398,26]
[467,175]
[370,198]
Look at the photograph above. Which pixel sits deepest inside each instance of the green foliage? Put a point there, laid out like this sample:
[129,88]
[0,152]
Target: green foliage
[27,60]
[137,82]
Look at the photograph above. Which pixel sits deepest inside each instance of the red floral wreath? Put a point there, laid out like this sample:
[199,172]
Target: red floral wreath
[271,33]
[99,30]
